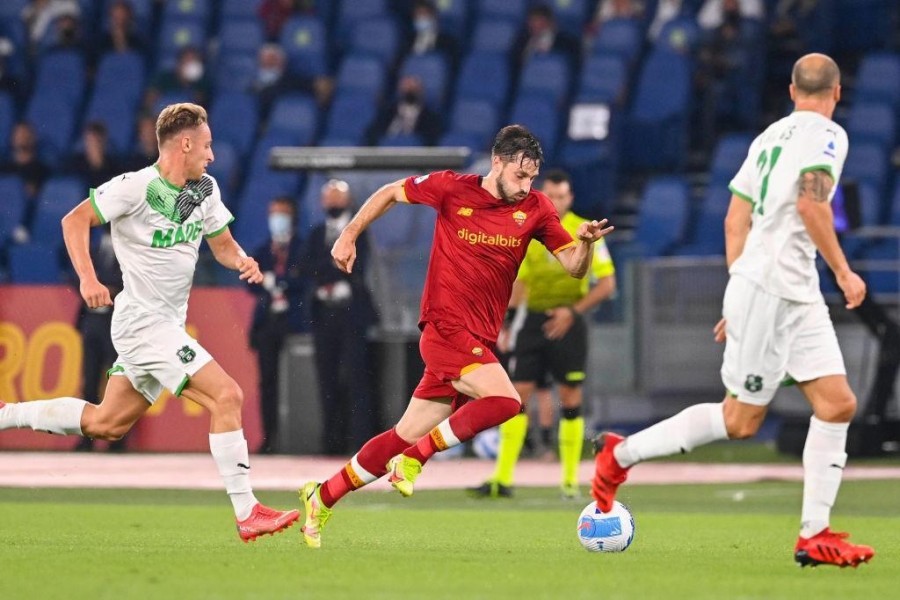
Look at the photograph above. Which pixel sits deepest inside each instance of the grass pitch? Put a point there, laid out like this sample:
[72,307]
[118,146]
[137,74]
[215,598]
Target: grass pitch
[697,541]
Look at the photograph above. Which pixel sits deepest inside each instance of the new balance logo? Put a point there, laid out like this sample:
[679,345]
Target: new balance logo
[243,466]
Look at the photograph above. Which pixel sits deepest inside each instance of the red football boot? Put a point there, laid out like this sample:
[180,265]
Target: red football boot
[608,474]
[831,548]
[265,521]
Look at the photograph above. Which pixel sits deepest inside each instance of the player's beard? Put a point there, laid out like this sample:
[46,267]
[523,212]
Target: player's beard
[505,195]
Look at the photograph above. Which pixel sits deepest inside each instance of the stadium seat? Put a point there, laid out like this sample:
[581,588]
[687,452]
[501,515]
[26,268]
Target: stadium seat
[541,116]
[728,156]
[122,75]
[12,191]
[493,36]
[7,120]
[362,74]
[432,69]
[621,37]
[660,113]
[119,117]
[378,38]
[592,166]
[240,36]
[174,36]
[546,75]
[235,117]
[298,114]
[707,227]
[453,16]
[878,79]
[240,9]
[304,40]
[479,67]
[870,206]
[864,24]
[872,122]
[53,119]
[142,9]
[882,275]
[680,35]
[284,182]
[513,11]
[603,78]
[350,14]
[663,215]
[473,123]
[235,72]
[225,168]
[198,11]
[34,263]
[894,208]
[867,163]
[394,230]
[570,15]
[62,73]
[350,117]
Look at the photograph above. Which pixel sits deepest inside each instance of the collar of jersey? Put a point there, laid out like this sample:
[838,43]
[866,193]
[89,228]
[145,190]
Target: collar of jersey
[164,180]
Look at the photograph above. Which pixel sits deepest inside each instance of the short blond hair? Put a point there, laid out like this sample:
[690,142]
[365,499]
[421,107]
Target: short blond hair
[175,118]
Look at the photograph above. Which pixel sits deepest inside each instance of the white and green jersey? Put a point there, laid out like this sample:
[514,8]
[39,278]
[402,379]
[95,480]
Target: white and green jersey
[156,246]
[779,255]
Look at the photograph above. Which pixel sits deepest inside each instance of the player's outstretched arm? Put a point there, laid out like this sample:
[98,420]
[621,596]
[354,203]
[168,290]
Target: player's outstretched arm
[76,227]
[230,255]
[577,259]
[815,210]
[344,250]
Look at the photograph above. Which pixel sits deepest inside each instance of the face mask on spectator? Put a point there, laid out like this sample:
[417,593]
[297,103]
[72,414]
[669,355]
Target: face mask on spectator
[334,211]
[280,227]
[192,71]
[423,24]
[269,75]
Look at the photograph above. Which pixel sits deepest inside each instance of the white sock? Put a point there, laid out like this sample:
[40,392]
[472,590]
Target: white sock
[824,459]
[60,415]
[230,452]
[694,426]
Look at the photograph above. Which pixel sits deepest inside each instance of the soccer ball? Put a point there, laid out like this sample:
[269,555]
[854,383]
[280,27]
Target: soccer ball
[605,532]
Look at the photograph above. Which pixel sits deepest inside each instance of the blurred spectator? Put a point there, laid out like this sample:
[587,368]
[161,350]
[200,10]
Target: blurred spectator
[427,35]
[274,79]
[26,164]
[188,78]
[67,34]
[666,10]
[715,13]
[274,14]
[147,150]
[409,115]
[98,353]
[93,163]
[279,308]
[39,15]
[608,10]
[8,80]
[542,36]
[342,313]
[122,34]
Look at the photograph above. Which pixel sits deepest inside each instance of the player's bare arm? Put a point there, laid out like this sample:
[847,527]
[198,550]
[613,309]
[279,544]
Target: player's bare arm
[577,259]
[737,226]
[344,250]
[76,226]
[230,255]
[815,211]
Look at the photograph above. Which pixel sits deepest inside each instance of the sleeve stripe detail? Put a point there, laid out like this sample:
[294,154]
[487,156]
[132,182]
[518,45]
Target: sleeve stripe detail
[403,193]
[99,214]
[563,247]
[826,168]
[740,194]
[221,230]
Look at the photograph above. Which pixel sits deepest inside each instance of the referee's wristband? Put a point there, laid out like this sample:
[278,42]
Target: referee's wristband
[575,313]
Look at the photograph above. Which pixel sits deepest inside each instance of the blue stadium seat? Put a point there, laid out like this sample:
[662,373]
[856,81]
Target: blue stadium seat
[240,36]
[174,36]
[121,74]
[170,98]
[479,67]
[58,196]
[188,11]
[53,119]
[350,14]
[453,16]
[663,215]
[541,117]
[592,166]
[870,205]
[708,224]
[728,156]
[571,15]
[660,113]
[298,114]
[493,36]
[362,74]
[473,123]
[240,9]
[225,168]
[142,9]
[34,263]
[432,69]
[878,79]
[119,117]
[872,122]
[395,230]
[235,72]
[867,163]
[286,182]
[7,120]
[864,24]
[12,9]
[305,42]
[886,278]
[62,73]
[12,190]
[376,37]
[894,207]
[680,35]
[604,78]
[400,140]
[621,37]
[546,75]
[234,118]
[350,116]
[513,11]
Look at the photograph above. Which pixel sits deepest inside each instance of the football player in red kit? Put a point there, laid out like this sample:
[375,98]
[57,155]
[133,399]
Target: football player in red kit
[482,231]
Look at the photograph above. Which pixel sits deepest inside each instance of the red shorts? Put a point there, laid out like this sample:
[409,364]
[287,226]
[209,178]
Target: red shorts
[449,352]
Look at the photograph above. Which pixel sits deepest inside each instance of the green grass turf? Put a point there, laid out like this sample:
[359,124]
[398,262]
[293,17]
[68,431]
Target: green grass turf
[693,541]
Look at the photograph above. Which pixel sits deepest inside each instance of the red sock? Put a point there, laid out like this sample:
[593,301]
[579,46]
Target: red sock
[373,457]
[474,416]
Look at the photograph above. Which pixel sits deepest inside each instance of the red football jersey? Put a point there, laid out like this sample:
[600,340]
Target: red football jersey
[479,243]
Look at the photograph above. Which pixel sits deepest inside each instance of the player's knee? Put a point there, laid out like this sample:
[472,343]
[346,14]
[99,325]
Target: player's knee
[741,429]
[839,409]
[231,399]
[110,432]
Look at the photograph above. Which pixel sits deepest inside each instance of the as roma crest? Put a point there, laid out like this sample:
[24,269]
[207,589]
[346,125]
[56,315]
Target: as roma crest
[519,217]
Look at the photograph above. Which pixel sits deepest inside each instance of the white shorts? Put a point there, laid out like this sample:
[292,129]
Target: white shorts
[769,338]
[155,354]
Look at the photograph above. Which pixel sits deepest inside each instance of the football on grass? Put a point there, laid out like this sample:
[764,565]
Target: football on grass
[611,531]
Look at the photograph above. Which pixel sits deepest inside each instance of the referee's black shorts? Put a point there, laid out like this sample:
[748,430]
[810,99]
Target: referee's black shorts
[535,355]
